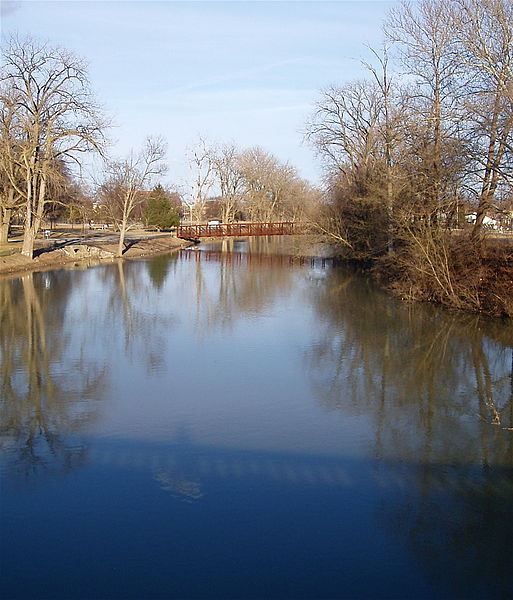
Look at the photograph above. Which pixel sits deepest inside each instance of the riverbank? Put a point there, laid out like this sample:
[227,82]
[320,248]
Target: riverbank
[480,283]
[454,272]
[84,250]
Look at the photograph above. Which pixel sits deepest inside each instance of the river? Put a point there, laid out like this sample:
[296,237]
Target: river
[227,422]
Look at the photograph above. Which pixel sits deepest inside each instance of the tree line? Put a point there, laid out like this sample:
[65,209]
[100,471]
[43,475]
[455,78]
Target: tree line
[251,184]
[50,121]
[420,145]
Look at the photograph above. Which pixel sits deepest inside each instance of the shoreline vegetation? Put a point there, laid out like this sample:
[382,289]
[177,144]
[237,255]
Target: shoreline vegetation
[449,269]
[455,273]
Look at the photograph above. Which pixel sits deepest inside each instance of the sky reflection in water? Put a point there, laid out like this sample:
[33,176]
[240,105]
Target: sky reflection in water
[237,425]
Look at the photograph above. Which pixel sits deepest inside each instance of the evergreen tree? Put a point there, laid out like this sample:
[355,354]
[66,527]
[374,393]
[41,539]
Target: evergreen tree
[158,212]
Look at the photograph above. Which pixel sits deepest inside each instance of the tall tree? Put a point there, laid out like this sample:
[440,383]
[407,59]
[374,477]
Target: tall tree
[484,32]
[158,211]
[49,113]
[424,34]
[393,115]
[345,128]
[349,131]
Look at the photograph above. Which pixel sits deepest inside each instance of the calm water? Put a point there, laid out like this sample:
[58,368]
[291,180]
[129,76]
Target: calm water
[234,425]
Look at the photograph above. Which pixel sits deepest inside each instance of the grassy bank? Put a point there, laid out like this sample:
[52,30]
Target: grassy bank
[58,252]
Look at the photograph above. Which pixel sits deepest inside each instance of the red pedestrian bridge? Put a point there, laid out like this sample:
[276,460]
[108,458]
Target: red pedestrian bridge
[192,232]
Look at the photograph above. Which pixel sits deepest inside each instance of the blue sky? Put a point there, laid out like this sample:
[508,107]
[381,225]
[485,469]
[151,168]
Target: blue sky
[242,72]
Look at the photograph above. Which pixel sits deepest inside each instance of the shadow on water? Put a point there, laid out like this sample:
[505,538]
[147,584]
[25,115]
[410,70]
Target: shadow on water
[302,526]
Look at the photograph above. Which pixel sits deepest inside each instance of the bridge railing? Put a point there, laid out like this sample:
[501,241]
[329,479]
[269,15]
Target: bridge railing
[237,229]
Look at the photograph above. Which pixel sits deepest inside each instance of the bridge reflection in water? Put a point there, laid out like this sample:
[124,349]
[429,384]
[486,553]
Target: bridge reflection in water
[239,230]
[197,463]
[247,258]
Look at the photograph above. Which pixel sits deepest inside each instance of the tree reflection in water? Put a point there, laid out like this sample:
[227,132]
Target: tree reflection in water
[230,285]
[134,331]
[52,374]
[432,467]
[436,388]
[46,386]
[428,378]
[158,269]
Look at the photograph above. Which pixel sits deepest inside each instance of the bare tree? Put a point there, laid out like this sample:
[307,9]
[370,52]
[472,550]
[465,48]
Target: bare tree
[459,56]
[392,118]
[484,32]
[344,127]
[48,114]
[261,197]
[225,160]
[202,172]
[126,179]
[10,170]
[349,131]
[424,35]
[272,190]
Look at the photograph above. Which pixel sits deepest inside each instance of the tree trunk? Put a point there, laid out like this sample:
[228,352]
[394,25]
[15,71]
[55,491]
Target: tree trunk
[5,222]
[121,242]
[29,235]
[486,195]
[33,221]
[497,146]
[41,201]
